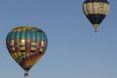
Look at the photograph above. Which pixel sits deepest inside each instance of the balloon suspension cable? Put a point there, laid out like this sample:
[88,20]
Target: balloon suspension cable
[26,75]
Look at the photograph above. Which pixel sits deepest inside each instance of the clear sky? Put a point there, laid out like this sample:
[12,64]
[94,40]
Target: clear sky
[74,49]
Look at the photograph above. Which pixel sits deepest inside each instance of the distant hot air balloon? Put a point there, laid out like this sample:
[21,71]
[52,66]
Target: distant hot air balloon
[95,11]
[26,45]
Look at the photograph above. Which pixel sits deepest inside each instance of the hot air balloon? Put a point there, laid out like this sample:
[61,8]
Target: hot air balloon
[26,45]
[96,11]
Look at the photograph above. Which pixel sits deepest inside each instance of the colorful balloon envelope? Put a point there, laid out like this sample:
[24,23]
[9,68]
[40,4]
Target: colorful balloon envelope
[96,11]
[26,45]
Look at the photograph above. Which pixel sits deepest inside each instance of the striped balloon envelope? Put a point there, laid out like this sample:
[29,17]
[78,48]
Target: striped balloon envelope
[26,45]
[96,11]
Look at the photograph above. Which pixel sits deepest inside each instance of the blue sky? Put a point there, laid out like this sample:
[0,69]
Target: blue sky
[74,49]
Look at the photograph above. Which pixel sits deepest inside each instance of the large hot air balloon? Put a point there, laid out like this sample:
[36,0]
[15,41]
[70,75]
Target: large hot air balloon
[26,45]
[95,11]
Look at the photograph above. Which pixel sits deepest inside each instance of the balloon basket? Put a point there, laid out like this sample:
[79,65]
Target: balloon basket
[26,75]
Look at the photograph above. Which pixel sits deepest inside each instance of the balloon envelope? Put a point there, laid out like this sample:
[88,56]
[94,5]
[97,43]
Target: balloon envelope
[26,45]
[96,11]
